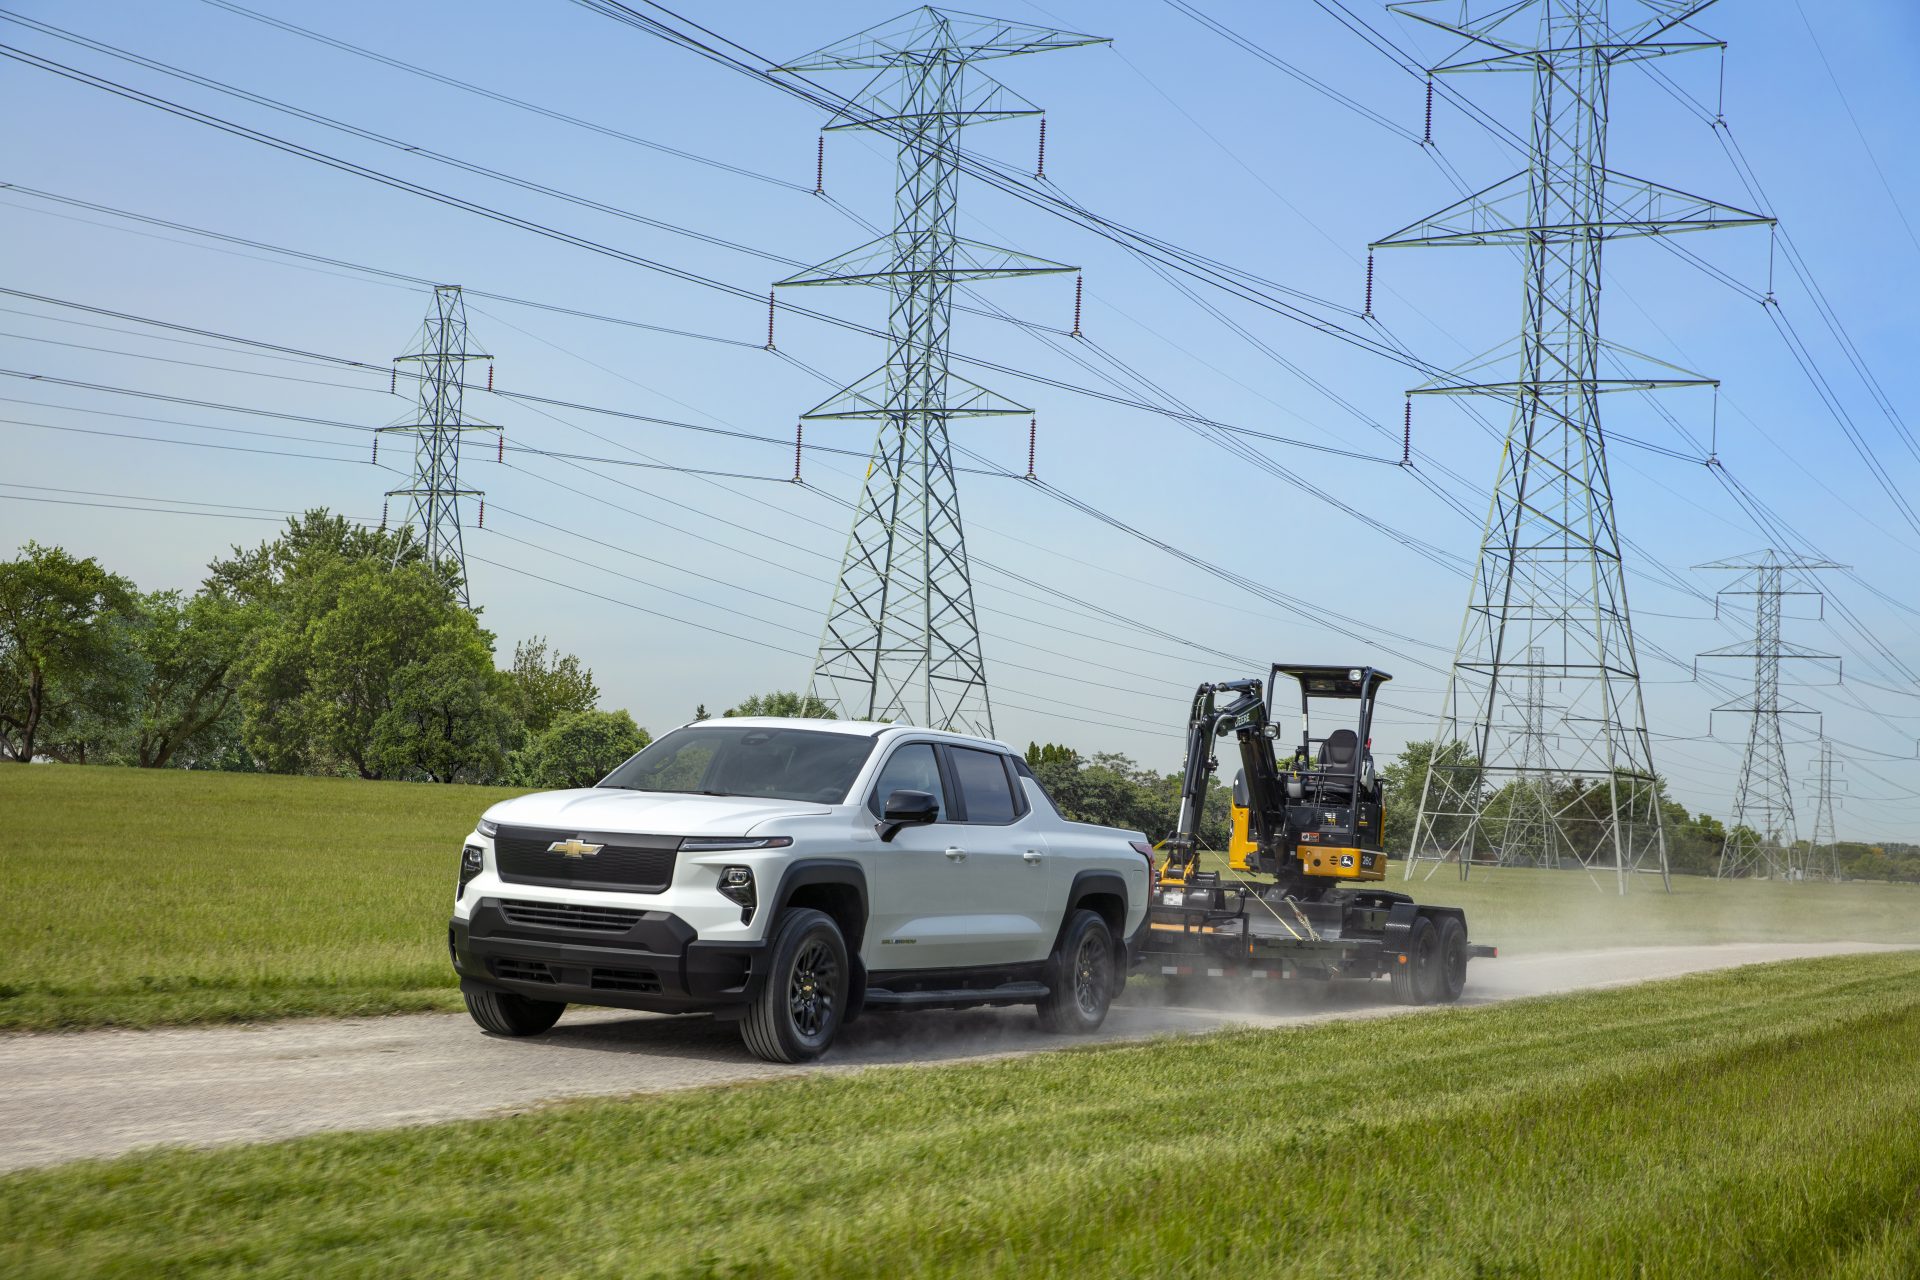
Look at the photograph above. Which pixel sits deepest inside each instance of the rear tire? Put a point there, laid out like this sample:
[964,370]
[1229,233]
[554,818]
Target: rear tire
[1451,974]
[805,996]
[503,1013]
[1079,977]
[1413,979]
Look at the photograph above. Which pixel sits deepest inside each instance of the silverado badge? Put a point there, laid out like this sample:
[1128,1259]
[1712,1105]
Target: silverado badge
[574,848]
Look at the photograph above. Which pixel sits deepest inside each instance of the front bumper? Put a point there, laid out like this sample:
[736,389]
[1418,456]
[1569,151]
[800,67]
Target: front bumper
[658,964]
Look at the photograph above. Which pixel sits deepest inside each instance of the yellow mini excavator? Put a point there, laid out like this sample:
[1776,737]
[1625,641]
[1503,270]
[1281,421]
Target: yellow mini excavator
[1307,820]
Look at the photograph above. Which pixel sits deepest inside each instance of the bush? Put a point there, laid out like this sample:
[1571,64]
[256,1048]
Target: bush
[578,749]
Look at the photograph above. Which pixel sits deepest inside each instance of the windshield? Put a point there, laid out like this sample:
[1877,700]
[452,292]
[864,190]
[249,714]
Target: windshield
[746,760]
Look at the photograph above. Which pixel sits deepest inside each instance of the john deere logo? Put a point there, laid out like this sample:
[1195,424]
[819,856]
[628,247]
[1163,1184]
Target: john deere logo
[574,848]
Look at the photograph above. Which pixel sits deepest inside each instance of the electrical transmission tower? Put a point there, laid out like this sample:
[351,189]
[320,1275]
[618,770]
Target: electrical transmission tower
[1527,826]
[433,499]
[1762,839]
[901,640]
[1823,847]
[1549,575]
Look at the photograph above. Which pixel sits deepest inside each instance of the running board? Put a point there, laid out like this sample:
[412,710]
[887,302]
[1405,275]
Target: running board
[957,998]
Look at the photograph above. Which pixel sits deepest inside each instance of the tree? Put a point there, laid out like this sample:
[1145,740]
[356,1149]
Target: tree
[579,749]
[446,716]
[542,687]
[186,707]
[1051,753]
[781,703]
[1111,790]
[60,620]
[355,641]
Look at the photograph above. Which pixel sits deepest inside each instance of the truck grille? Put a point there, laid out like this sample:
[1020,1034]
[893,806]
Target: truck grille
[625,863]
[570,915]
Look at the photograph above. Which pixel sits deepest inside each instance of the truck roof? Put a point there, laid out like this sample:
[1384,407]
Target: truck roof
[859,728]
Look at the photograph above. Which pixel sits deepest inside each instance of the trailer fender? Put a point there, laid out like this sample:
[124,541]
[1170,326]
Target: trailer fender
[1399,927]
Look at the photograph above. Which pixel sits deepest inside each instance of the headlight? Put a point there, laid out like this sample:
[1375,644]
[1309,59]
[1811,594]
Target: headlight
[736,884]
[487,829]
[472,863]
[723,844]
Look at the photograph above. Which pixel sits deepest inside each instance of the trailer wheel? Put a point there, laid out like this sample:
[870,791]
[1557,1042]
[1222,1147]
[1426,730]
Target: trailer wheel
[1413,978]
[1079,977]
[1450,976]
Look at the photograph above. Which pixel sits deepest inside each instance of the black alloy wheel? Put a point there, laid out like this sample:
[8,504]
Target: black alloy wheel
[811,989]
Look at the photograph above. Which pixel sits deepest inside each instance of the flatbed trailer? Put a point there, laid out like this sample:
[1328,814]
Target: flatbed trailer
[1210,929]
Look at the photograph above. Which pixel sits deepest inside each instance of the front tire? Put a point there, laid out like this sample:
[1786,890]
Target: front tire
[503,1013]
[805,996]
[1079,977]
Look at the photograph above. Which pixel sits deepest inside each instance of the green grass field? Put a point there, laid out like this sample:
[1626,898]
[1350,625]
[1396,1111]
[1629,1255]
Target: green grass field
[1757,1122]
[133,897]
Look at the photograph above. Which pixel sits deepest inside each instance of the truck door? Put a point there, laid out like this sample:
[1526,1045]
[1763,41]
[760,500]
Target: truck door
[1015,892]
[918,892]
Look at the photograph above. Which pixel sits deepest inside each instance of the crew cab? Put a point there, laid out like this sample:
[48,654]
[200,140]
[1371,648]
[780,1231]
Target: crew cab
[789,873]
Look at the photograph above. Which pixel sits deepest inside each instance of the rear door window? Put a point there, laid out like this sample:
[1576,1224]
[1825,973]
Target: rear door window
[986,791]
[913,767]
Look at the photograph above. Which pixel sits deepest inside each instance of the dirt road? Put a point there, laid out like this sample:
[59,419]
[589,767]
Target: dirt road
[101,1093]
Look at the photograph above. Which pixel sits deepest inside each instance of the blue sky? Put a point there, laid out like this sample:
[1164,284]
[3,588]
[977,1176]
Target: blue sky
[705,589]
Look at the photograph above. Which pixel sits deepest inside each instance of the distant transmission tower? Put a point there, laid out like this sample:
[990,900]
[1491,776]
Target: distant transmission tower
[1527,833]
[901,640]
[1823,852]
[1762,839]
[1549,575]
[433,499]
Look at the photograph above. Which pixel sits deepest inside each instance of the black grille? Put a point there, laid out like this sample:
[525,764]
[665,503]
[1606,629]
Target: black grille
[632,864]
[522,970]
[645,981]
[570,915]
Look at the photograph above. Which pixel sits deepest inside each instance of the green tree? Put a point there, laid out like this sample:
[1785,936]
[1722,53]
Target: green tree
[62,623]
[782,703]
[446,716]
[1051,753]
[345,677]
[186,710]
[578,749]
[543,685]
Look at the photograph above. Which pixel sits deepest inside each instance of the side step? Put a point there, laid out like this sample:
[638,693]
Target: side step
[957,998]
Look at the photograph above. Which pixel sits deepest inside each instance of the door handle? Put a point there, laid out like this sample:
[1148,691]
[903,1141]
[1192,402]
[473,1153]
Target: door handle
[956,853]
[1033,856]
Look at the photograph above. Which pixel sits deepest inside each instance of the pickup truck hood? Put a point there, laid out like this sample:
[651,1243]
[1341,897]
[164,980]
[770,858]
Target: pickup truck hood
[608,809]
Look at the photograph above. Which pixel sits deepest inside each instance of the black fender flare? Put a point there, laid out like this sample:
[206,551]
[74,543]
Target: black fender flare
[1095,881]
[804,872]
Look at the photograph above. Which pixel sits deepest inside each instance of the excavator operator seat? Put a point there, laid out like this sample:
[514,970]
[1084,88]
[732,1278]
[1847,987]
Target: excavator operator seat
[1338,750]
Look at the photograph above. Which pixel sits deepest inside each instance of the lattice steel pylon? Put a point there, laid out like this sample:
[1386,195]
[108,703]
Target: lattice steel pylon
[1823,846]
[1762,839]
[1549,573]
[433,498]
[901,640]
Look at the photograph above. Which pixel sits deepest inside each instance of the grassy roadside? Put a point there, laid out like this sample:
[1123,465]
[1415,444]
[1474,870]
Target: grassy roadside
[1755,1122]
[133,897]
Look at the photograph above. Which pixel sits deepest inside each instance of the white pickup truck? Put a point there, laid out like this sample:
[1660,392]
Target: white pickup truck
[788,873]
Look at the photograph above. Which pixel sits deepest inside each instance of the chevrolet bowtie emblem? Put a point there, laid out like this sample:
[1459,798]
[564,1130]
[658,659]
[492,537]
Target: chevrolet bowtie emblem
[574,848]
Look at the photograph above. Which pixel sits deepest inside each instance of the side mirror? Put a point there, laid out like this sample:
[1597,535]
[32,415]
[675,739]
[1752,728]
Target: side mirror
[907,809]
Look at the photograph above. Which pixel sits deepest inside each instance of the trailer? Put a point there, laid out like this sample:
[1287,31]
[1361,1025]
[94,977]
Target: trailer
[1296,897]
